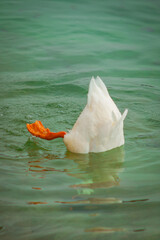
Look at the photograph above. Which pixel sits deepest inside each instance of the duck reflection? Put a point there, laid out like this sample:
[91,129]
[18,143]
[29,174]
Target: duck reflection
[38,160]
[33,148]
[94,171]
[98,170]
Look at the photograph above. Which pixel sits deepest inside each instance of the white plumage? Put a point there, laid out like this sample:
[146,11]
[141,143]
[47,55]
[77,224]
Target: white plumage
[100,125]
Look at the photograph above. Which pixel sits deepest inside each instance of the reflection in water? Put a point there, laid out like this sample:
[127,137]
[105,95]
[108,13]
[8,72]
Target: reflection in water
[98,170]
[110,230]
[36,203]
[139,230]
[104,230]
[33,148]
[137,200]
[38,167]
[32,169]
[93,201]
[92,171]
[35,166]
[36,188]
[95,170]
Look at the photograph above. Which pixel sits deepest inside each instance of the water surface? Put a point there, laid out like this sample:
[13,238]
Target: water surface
[49,50]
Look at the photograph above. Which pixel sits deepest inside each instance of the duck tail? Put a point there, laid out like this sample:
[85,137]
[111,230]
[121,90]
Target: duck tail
[124,114]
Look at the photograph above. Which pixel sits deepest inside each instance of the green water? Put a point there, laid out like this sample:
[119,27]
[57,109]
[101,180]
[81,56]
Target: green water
[49,50]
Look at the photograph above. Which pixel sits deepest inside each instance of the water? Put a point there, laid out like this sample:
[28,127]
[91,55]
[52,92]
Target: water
[49,51]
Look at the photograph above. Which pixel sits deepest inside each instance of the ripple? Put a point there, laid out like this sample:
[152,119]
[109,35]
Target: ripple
[37,203]
[104,230]
[93,201]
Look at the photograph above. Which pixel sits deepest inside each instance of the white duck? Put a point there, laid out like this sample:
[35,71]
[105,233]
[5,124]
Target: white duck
[99,127]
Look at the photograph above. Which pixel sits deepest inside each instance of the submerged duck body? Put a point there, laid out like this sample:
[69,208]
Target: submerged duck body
[99,127]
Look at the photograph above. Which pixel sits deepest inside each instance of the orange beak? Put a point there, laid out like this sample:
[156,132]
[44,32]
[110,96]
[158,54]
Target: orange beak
[37,129]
